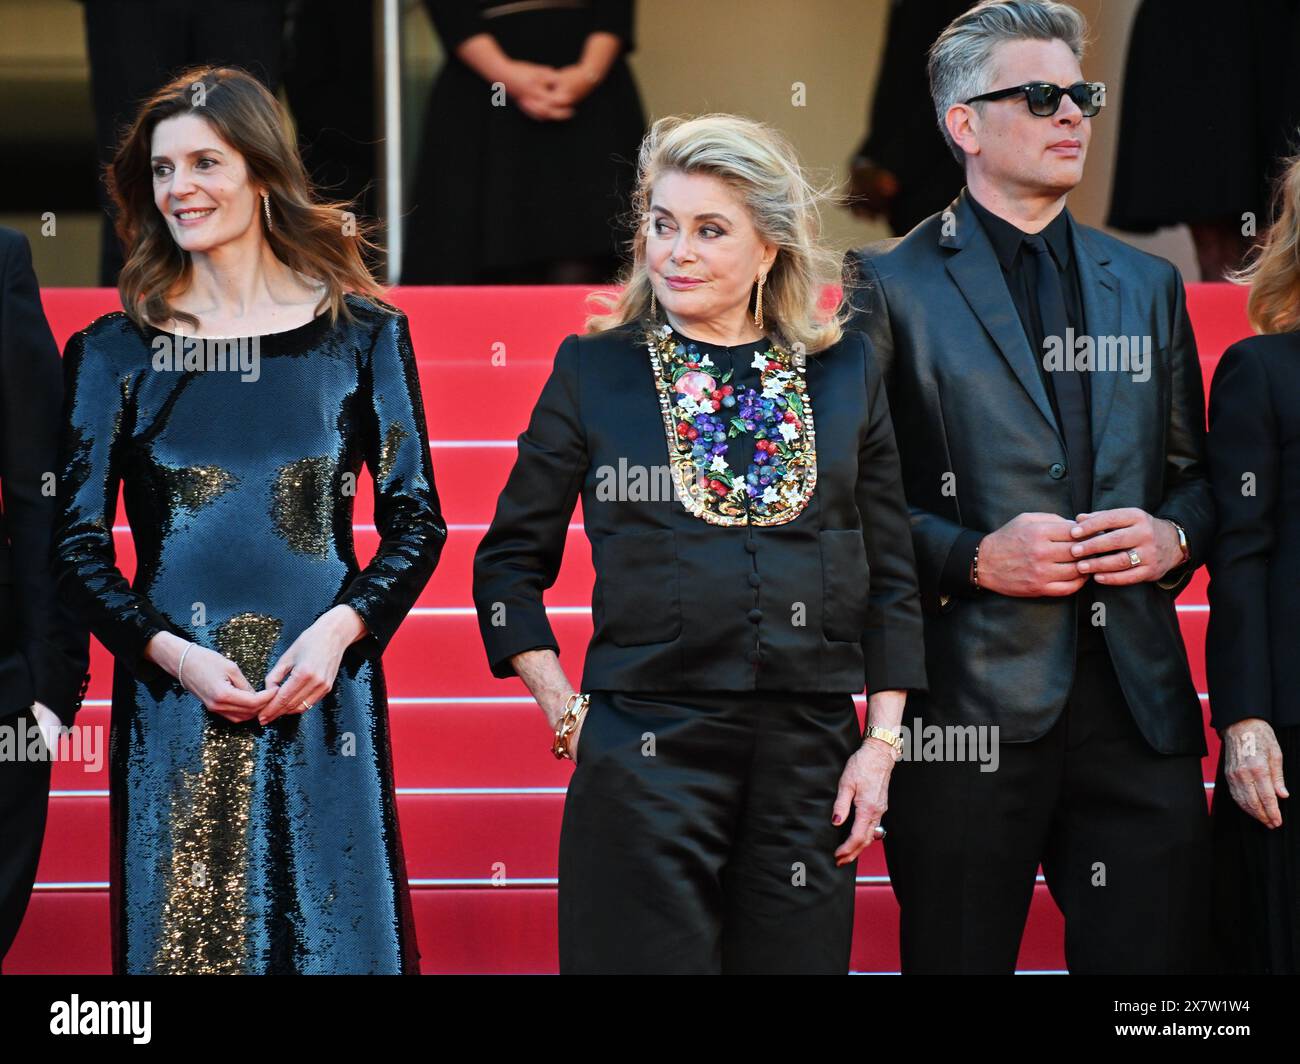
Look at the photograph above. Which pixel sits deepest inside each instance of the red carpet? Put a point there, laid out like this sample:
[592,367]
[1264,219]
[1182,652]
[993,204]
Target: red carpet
[479,795]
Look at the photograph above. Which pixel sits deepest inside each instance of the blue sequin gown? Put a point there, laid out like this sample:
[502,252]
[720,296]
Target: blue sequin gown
[243,848]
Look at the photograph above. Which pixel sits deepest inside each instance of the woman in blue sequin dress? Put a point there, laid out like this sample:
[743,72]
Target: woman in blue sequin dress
[254,821]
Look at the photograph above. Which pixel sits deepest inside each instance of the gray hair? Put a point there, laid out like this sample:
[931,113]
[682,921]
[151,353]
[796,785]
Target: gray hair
[960,59]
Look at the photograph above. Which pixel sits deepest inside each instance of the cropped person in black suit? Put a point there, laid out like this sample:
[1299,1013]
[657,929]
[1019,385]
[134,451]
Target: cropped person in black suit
[1250,648]
[902,170]
[752,573]
[44,650]
[1058,505]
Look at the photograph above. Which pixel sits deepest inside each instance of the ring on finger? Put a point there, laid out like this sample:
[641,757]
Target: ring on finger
[878,831]
[1134,558]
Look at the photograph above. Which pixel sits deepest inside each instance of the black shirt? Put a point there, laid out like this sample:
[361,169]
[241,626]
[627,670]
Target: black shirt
[1009,245]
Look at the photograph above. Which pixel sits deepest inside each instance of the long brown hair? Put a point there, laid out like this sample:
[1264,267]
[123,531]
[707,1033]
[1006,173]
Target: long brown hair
[317,239]
[1273,271]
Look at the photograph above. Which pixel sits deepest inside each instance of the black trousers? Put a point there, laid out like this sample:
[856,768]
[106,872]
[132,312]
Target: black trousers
[24,799]
[697,835]
[1257,877]
[1122,833]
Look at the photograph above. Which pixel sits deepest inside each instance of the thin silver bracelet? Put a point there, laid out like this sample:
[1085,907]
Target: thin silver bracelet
[180,671]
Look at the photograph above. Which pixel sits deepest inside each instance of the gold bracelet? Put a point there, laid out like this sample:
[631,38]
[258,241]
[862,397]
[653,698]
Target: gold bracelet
[575,708]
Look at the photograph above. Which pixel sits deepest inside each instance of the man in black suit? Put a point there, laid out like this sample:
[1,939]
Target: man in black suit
[43,650]
[1059,503]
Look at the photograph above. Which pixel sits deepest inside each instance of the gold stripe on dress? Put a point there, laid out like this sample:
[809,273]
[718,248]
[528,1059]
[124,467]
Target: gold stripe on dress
[204,917]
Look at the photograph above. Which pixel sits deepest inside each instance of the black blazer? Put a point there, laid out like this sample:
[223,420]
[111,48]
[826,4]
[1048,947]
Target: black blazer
[1254,446]
[44,649]
[979,445]
[674,604]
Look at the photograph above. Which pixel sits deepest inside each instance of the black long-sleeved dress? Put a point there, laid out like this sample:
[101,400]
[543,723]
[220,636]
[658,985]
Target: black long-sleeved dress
[1246,110]
[496,191]
[243,847]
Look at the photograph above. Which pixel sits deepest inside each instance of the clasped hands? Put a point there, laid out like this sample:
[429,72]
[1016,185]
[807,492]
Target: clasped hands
[1046,554]
[548,93]
[301,676]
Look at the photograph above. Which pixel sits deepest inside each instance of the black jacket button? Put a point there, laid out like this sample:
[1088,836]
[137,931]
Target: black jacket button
[1056,471]
[751,546]
[755,579]
[755,615]
[754,656]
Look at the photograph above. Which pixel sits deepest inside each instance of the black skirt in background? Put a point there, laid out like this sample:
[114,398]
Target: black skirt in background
[1209,106]
[1257,878]
[496,190]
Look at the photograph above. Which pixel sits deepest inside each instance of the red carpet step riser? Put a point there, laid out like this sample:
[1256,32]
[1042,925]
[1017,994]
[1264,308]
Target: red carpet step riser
[486,930]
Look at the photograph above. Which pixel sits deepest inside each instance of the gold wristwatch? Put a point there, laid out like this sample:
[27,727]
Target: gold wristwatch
[1182,540]
[886,736]
[1165,582]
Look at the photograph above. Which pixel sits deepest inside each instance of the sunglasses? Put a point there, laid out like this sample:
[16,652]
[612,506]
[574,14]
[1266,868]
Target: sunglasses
[1044,98]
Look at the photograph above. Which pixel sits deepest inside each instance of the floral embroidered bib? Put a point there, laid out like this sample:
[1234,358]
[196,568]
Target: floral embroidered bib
[702,412]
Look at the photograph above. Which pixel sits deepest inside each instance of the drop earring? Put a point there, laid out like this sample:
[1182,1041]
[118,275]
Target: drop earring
[266,210]
[654,307]
[758,302]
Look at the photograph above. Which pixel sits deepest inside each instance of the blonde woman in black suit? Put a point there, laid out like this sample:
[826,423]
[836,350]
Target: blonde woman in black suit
[1254,670]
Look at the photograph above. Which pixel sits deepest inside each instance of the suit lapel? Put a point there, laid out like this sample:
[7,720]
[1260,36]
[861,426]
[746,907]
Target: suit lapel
[976,271]
[1101,317]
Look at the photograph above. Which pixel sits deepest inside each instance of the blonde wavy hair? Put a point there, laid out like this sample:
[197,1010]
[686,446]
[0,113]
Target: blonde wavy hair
[1273,271]
[760,165]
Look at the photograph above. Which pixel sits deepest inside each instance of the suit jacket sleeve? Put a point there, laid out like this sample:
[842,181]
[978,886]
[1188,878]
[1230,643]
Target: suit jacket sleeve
[97,425]
[519,557]
[407,514]
[54,647]
[934,537]
[893,643]
[1243,440]
[1188,498]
